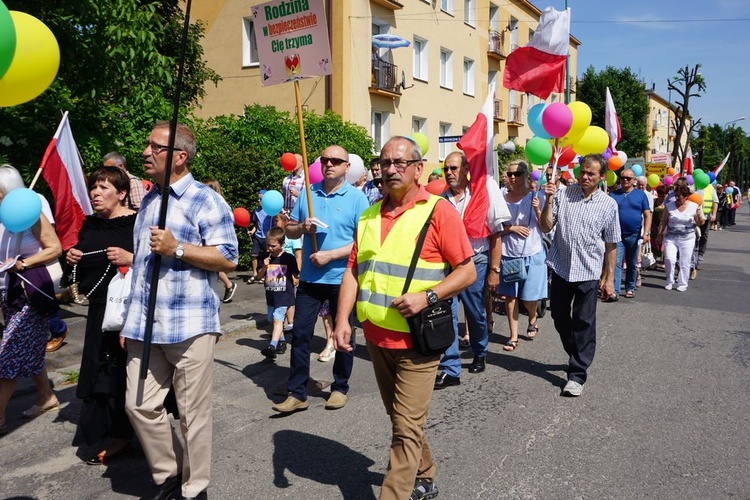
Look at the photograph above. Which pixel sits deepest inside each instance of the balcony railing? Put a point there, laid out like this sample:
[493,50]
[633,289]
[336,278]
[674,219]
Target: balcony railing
[498,114]
[515,115]
[496,44]
[384,77]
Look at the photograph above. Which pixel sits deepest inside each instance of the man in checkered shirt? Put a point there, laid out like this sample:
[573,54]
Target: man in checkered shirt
[586,235]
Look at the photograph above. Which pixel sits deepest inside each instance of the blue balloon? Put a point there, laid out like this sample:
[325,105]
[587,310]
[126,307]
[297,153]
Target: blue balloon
[712,176]
[729,190]
[637,170]
[535,121]
[272,202]
[20,209]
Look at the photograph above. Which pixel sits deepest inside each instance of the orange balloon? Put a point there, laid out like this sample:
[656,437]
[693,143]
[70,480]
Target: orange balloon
[696,198]
[437,187]
[670,171]
[614,163]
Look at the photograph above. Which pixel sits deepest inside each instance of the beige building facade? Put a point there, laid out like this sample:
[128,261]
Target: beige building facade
[435,86]
[661,127]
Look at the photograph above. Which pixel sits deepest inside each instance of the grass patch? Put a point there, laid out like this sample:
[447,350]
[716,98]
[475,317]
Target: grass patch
[71,377]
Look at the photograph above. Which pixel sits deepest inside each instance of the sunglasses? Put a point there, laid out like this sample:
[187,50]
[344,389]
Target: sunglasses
[450,169]
[334,161]
[515,174]
[627,178]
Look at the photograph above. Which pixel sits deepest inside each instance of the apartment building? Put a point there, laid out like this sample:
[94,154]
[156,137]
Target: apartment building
[435,85]
[660,126]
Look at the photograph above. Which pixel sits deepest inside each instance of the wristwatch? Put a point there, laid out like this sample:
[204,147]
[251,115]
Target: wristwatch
[180,251]
[432,297]
[23,264]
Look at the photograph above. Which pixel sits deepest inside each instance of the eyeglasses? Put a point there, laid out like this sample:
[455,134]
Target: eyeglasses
[157,148]
[450,168]
[515,174]
[627,178]
[334,161]
[399,163]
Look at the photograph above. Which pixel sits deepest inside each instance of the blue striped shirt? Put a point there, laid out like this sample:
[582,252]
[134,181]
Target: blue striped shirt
[583,226]
[187,304]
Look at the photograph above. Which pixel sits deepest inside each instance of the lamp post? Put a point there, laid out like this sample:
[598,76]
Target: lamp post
[724,139]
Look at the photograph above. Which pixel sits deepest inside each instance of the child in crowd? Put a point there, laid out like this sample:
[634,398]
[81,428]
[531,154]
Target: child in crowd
[280,271]
[229,287]
[292,246]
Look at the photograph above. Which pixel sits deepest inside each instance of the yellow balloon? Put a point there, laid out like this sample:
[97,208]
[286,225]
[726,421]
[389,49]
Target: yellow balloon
[581,121]
[593,141]
[34,64]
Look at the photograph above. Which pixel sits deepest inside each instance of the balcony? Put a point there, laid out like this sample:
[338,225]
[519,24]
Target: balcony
[389,4]
[495,49]
[385,79]
[498,114]
[655,125]
[514,118]
[513,46]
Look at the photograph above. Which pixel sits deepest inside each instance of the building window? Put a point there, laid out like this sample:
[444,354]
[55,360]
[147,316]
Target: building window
[468,77]
[445,147]
[446,68]
[380,132]
[469,12]
[249,44]
[420,58]
[446,6]
[494,17]
[418,125]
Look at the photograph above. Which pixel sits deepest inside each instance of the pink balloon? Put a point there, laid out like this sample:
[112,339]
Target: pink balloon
[316,174]
[668,180]
[557,118]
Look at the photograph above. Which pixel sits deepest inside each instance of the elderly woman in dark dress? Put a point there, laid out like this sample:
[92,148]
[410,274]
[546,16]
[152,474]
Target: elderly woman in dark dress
[105,247]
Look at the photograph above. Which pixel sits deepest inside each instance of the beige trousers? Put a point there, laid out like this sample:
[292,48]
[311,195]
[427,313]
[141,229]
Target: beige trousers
[406,380]
[188,366]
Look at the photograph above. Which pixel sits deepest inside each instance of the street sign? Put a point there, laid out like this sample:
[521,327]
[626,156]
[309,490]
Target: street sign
[449,138]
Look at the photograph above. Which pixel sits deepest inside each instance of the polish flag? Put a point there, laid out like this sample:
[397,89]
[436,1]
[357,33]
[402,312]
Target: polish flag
[687,164]
[62,169]
[718,168]
[539,67]
[479,147]
[611,122]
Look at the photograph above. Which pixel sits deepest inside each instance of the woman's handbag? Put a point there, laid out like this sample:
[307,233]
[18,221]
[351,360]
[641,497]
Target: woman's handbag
[647,258]
[118,298]
[432,328]
[513,270]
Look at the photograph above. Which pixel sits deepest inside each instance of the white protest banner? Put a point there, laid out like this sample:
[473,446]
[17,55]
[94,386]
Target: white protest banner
[292,37]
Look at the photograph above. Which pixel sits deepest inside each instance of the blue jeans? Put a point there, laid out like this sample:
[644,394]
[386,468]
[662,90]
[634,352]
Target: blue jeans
[310,296]
[473,299]
[57,326]
[629,247]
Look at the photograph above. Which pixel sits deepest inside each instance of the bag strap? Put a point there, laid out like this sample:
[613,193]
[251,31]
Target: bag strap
[418,250]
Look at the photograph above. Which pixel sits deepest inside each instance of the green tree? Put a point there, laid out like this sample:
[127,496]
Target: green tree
[118,65]
[683,84]
[630,100]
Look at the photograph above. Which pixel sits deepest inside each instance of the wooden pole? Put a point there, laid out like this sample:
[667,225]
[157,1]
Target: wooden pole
[301,126]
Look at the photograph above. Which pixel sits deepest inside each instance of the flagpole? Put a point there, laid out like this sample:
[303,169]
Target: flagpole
[303,147]
[567,68]
[154,284]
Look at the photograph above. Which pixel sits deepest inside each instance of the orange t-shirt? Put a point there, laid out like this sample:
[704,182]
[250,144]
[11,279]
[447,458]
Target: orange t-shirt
[446,241]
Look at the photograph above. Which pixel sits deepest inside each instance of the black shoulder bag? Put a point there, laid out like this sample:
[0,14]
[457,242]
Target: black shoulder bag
[432,328]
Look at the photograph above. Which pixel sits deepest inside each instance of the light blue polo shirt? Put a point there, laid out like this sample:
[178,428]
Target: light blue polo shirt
[340,210]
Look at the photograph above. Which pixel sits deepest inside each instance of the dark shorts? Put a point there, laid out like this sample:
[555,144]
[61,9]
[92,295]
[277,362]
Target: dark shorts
[259,247]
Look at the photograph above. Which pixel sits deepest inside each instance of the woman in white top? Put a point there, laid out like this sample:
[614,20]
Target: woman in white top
[677,231]
[26,325]
[522,238]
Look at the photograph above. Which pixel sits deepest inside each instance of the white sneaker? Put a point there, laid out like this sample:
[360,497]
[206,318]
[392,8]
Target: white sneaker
[682,288]
[572,388]
[668,287]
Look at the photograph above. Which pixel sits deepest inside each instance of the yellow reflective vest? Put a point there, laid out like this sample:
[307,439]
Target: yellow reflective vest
[708,199]
[382,268]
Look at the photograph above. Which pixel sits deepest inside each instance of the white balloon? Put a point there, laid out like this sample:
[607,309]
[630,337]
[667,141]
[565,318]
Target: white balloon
[622,156]
[356,169]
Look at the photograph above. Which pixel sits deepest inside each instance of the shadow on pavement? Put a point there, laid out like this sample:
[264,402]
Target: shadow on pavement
[324,461]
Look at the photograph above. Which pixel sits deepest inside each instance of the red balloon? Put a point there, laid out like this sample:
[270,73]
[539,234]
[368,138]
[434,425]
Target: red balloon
[567,155]
[437,187]
[288,161]
[241,217]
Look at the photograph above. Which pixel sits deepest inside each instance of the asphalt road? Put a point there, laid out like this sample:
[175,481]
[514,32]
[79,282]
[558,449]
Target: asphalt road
[664,414]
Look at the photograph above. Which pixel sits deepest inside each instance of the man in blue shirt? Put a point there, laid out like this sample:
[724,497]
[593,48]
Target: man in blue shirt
[635,214]
[197,243]
[336,205]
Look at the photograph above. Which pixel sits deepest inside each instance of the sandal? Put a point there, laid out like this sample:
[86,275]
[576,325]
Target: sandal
[629,294]
[510,345]
[532,330]
[611,298]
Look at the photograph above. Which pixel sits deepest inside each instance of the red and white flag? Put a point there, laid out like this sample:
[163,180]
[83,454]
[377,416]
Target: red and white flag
[479,147]
[718,168]
[687,163]
[62,169]
[539,67]
[611,122]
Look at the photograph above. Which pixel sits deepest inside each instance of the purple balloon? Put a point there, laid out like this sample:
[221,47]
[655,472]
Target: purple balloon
[535,175]
[690,180]
[607,154]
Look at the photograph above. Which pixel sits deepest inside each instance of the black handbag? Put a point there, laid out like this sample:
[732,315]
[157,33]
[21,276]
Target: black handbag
[432,328]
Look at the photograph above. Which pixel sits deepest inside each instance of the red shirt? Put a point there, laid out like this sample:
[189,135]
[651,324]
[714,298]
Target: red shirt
[446,241]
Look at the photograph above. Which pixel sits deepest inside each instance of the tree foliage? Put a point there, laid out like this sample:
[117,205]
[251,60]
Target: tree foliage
[711,144]
[630,100]
[118,65]
[683,84]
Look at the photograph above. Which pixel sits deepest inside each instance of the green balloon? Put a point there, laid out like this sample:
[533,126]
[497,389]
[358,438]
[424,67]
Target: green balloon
[576,171]
[538,151]
[701,180]
[611,178]
[7,39]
